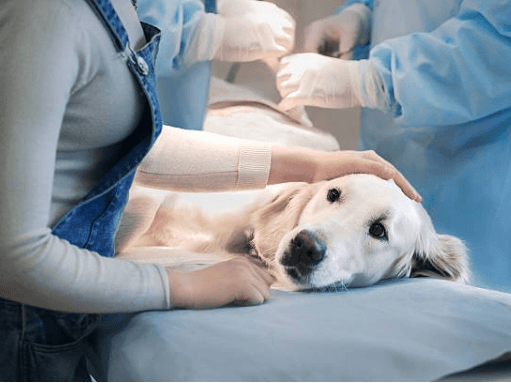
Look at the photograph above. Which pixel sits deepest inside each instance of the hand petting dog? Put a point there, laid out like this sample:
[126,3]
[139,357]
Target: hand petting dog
[291,164]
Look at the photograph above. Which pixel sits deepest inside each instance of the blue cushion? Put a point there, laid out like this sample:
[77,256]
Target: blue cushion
[415,329]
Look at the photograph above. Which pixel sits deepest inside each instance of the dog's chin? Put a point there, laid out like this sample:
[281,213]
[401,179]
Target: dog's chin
[291,279]
[296,278]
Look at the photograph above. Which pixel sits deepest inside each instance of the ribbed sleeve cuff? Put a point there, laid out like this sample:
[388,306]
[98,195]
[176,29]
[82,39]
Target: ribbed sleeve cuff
[254,161]
[166,289]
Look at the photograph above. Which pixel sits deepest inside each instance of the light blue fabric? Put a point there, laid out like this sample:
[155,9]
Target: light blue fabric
[182,87]
[445,67]
[407,330]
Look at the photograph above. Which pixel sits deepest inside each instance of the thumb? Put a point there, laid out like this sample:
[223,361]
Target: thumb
[288,103]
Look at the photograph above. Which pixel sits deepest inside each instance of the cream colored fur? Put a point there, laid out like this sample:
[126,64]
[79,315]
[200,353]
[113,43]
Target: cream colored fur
[267,224]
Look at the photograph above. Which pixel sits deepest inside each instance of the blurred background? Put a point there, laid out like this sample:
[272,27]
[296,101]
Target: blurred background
[343,124]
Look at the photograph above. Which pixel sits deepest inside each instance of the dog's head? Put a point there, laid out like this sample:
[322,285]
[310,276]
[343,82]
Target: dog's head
[352,231]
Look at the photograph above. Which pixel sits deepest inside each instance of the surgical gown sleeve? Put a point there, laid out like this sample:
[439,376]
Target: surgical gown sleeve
[367,3]
[457,73]
[182,22]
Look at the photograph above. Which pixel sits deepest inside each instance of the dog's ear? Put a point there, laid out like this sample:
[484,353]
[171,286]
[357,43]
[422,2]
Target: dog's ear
[279,216]
[442,256]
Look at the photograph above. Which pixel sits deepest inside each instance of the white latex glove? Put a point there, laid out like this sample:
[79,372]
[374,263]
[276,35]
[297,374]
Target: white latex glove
[338,35]
[326,82]
[250,30]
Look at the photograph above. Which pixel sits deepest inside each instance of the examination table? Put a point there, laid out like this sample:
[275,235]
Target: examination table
[419,329]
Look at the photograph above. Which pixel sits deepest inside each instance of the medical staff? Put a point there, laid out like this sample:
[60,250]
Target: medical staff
[194,32]
[435,92]
[79,114]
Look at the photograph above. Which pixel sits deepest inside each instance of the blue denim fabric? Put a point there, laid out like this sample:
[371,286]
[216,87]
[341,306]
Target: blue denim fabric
[45,345]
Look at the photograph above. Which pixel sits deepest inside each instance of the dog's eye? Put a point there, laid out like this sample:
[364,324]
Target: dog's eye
[377,230]
[333,195]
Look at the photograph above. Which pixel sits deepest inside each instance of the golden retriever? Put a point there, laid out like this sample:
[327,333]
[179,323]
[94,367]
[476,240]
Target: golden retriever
[352,231]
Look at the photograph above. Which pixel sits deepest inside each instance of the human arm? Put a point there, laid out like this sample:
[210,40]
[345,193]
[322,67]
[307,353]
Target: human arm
[38,73]
[243,30]
[201,161]
[444,70]
[460,70]
[341,34]
[37,267]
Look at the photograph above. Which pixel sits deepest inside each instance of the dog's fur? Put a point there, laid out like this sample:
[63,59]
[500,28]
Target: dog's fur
[348,232]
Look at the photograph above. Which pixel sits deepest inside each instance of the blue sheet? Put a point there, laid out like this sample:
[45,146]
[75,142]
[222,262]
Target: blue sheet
[407,330]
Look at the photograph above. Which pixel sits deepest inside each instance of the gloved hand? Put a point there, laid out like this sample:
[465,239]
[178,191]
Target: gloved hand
[338,35]
[326,82]
[250,30]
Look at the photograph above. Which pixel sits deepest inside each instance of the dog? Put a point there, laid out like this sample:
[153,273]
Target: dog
[352,231]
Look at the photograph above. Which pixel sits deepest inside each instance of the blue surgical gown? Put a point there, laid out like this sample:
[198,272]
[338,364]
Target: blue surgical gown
[446,70]
[182,86]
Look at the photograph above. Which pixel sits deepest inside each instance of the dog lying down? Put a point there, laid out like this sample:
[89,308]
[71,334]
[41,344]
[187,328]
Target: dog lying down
[352,231]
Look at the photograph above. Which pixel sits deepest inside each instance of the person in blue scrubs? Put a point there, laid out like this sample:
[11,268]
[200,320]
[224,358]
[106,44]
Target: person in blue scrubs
[433,79]
[196,31]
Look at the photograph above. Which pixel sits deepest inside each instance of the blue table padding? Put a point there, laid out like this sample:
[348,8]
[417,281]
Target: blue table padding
[407,330]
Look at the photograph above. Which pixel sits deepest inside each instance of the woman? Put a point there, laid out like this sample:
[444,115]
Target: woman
[78,113]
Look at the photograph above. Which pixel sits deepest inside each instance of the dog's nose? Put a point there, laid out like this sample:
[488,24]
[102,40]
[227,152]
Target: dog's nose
[306,250]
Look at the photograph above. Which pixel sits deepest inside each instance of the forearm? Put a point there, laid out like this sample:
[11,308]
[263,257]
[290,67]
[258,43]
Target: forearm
[196,161]
[42,270]
[292,164]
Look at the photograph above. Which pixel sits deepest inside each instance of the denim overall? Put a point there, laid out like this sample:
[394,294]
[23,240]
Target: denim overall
[45,345]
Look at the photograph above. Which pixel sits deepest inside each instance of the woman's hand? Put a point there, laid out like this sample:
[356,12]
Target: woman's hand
[330,165]
[293,164]
[234,282]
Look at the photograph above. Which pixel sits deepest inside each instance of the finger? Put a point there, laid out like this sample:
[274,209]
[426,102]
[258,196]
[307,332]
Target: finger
[265,275]
[278,51]
[406,187]
[251,297]
[285,89]
[372,155]
[368,166]
[281,13]
[260,270]
[287,104]
[286,40]
[313,37]
[283,73]
[399,179]
[261,290]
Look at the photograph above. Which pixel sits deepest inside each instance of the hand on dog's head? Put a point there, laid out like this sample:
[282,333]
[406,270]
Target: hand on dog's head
[352,231]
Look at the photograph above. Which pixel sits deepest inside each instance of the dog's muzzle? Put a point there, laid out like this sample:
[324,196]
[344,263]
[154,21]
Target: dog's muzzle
[305,251]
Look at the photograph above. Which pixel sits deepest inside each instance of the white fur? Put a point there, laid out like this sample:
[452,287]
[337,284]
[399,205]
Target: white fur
[272,219]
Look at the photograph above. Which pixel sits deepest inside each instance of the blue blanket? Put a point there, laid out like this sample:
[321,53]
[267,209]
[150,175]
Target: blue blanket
[407,330]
